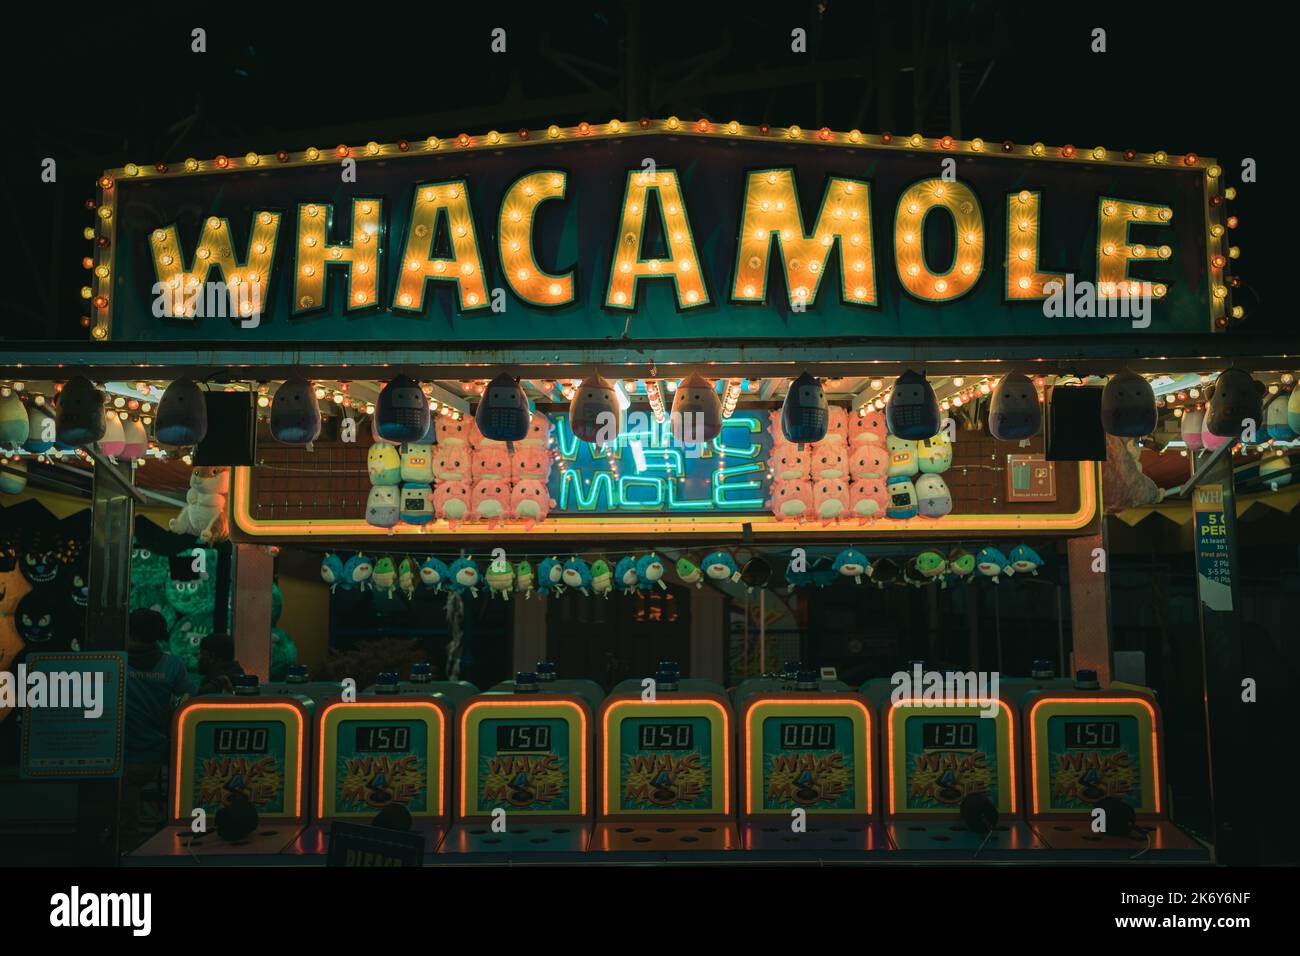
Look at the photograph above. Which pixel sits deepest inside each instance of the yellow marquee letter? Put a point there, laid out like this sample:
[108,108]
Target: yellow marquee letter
[682,264]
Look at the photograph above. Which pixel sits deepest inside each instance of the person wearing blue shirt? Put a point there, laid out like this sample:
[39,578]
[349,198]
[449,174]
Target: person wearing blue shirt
[155,683]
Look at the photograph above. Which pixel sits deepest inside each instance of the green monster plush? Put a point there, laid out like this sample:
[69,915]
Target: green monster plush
[148,579]
[283,650]
[186,636]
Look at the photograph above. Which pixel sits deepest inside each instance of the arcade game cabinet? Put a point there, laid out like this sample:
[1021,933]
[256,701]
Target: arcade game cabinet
[1088,748]
[230,753]
[811,747]
[524,770]
[666,771]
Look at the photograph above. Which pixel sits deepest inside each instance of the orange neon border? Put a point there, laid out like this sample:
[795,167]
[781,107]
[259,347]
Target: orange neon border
[464,755]
[611,526]
[607,746]
[927,711]
[1156,754]
[794,702]
[194,707]
[444,735]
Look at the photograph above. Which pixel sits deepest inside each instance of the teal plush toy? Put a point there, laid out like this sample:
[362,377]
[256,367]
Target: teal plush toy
[465,576]
[650,572]
[550,577]
[149,574]
[625,575]
[852,563]
[577,574]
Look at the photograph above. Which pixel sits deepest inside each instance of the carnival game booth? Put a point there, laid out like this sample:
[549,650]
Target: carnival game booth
[539,363]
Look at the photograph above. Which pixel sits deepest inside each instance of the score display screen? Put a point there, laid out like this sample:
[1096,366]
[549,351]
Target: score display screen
[666,764]
[1090,758]
[381,762]
[523,765]
[808,763]
[238,756]
[657,736]
[950,735]
[523,738]
[948,759]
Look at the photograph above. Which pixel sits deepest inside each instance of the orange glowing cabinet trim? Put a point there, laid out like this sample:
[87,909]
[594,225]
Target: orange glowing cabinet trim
[466,753]
[669,706]
[1005,715]
[190,713]
[1075,706]
[752,722]
[403,710]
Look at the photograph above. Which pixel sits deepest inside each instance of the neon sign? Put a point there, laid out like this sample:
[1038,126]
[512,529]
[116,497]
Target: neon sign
[645,470]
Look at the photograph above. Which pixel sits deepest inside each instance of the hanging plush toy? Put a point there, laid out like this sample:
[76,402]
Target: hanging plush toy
[697,411]
[902,498]
[357,572]
[204,514]
[406,574]
[1128,406]
[295,413]
[524,579]
[902,457]
[933,499]
[796,579]
[452,463]
[383,577]
[1234,402]
[852,563]
[912,411]
[417,463]
[11,484]
[182,417]
[490,499]
[912,575]
[451,500]
[1275,418]
[756,573]
[1025,560]
[991,563]
[40,430]
[530,502]
[576,574]
[550,576]
[828,460]
[14,428]
[791,499]
[464,576]
[402,412]
[650,572]
[884,571]
[113,442]
[868,498]
[867,426]
[602,578]
[789,463]
[331,571]
[489,460]
[37,619]
[961,565]
[804,415]
[500,578]
[934,454]
[434,574]
[384,464]
[1015,413]
[830,499]
[1293,410]
[930,564]
[625,575]
[690,572]
[720,566]
[79,419]
[502,413]
[383,509]
[593,411]
[417,505]
[135,440]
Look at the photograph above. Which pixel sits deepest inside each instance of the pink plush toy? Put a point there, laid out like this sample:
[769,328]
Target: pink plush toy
[837,426]
[868,498]
[453,432]
[530,462]
[869,427]
[473,435]
[791,499]
[530,502]
[451,499]
[489,460]
[789,463]
[452,463]
[828,459]
[539,431]
[830,499]
[868,460]
[490,499]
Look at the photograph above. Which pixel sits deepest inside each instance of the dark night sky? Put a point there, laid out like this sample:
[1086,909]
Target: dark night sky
[109,86]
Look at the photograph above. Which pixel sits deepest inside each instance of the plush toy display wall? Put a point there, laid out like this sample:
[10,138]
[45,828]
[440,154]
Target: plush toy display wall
[204,514]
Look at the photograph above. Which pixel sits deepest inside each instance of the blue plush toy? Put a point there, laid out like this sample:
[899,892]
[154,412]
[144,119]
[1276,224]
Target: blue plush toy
[797,579]
[550,577]
[331,572]
[356,573]
[650,571]
[852,563]
[625,575]
[1025,560]
[464,576]
[434,574]
[576,574]
[992,563]
[719,566]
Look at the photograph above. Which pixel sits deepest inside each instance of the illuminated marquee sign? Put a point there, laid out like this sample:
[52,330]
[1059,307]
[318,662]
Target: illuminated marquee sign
[696,230]
[646,471]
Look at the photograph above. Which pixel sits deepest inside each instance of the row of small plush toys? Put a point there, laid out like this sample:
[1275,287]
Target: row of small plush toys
[928,567]
[859,472]
[552,576]
[458,475]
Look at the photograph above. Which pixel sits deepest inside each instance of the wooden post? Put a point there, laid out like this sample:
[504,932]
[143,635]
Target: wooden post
[529,632]
[1090,605]
[251,628]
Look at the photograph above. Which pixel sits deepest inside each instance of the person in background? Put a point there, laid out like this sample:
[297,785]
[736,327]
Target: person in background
[155,683]
[217,665]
